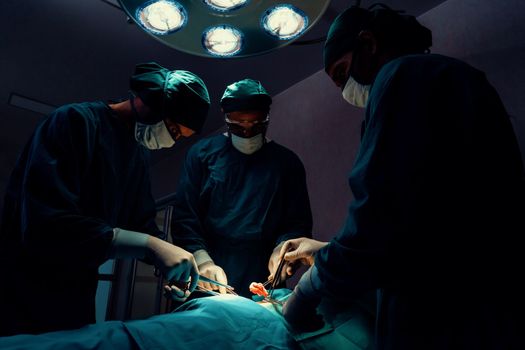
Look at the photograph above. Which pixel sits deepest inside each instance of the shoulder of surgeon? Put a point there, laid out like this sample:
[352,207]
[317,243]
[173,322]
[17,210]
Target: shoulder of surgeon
[77,115]
[283,158]
[284,152]
[412,68]
[209,145]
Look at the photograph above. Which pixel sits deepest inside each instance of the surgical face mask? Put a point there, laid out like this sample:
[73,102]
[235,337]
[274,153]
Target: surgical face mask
[154,136]
[356,94]
[247,145]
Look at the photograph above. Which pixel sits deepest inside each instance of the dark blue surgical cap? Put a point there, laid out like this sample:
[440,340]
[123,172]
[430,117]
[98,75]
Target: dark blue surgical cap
[342,36]
[399,31]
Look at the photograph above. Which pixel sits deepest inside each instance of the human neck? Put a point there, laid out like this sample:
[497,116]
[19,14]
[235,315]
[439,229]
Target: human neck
[123,112]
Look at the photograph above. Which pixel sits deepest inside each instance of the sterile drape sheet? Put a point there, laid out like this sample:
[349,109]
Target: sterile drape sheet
[221,322]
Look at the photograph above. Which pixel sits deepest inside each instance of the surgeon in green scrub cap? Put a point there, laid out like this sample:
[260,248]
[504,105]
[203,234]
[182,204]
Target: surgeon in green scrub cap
[240,195]
[80,194]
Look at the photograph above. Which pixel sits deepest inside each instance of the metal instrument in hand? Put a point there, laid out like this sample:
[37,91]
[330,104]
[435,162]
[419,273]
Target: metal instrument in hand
[207,291]
[273,301]
[276,277]
[229,289]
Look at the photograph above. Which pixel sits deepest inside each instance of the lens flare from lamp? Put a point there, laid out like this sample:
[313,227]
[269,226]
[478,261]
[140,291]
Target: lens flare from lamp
[225,5]
[223,41]
[284,21]
[162,16]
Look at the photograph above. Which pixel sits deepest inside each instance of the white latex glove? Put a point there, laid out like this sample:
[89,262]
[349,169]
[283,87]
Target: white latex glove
[301,250]
[214,272]
[176,264]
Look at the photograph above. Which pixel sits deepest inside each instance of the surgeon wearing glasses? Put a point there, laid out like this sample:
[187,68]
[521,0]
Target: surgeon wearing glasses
[240,195]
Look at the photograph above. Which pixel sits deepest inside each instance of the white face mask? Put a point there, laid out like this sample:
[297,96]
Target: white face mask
[154,136]
[356,94]
[248,145]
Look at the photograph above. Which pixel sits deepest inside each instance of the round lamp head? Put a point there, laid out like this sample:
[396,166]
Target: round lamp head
[225,5]
[161,17]
[222,41]
[284,21]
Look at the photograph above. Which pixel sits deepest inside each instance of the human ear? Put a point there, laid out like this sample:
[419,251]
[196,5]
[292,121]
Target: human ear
[368,40]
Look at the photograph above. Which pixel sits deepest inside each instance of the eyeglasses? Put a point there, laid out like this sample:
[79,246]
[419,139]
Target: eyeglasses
[243,126]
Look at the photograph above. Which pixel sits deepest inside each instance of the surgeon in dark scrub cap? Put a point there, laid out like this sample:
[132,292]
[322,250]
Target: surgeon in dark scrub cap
[80,194]
[439,196]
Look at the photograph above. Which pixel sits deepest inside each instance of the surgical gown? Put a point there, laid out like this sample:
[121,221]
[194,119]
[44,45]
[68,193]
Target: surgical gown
[80,175]
[239,207]
[437,215]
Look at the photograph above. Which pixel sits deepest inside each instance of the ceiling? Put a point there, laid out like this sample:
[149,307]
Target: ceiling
[63,51]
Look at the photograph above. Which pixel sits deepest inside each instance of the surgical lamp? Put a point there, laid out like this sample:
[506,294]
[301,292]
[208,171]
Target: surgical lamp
[225,28]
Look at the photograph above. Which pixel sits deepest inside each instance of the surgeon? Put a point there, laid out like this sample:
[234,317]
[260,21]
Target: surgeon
[80,194]
[438,188]
[240,195]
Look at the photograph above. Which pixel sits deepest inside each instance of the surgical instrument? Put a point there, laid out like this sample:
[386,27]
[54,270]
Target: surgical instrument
[229,289]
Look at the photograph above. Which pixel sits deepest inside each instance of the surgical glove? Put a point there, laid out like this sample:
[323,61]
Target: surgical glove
[301,250]
[214,272]
[289,267]
[177,291]
[300,309]
[128,244]
[176,264]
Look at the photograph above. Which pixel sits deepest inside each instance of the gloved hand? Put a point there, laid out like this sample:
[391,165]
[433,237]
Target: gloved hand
[289,267]
[301,250]
[214,272]
[176,264]
[300,309]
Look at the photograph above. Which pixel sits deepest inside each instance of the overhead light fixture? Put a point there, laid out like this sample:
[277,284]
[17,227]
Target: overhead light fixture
[226,5]
[285,21]
[30,104]
[222,41]
[225,28]
[161,16]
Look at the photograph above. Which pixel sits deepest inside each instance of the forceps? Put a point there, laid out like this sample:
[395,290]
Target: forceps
[274,282]
[277,275]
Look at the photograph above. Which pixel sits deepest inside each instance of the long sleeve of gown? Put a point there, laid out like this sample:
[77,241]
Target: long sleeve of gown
[188,213]
[52,221]
[297,217]
[436,176]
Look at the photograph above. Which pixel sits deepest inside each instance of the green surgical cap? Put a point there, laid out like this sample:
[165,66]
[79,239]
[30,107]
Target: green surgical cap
[342,36]
[178,95]
[245,95]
